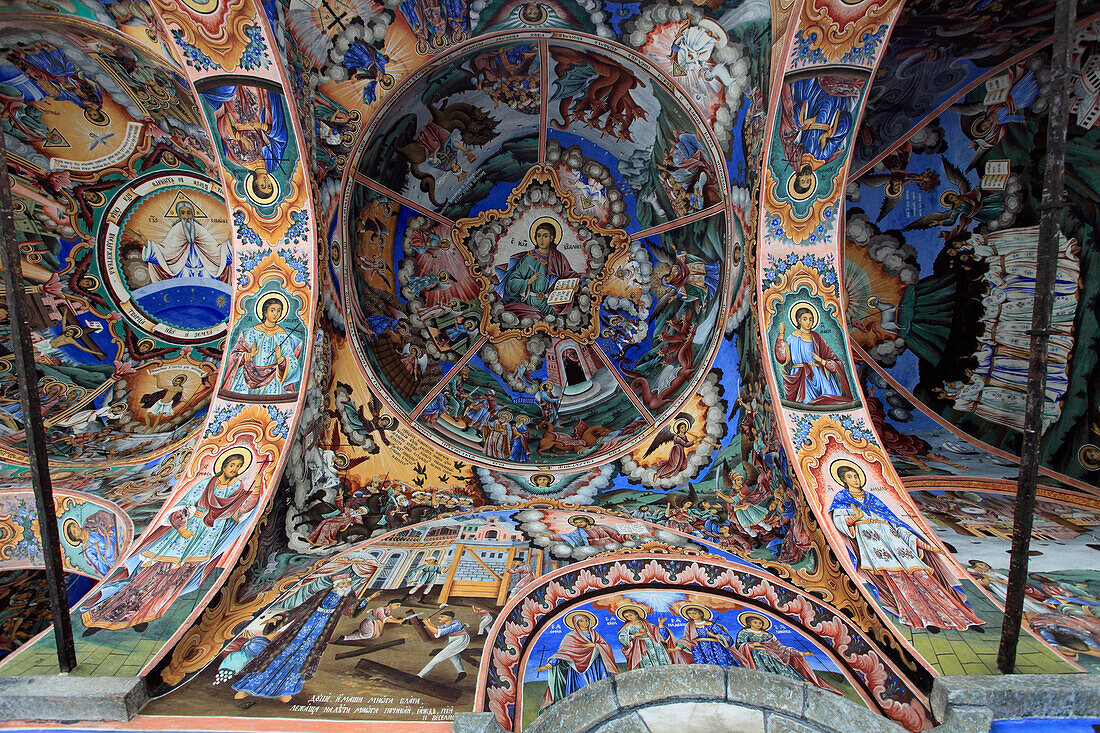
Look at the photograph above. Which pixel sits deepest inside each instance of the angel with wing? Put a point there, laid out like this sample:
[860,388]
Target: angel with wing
[895,176]
[963,206]
[894,183]
[678,432]
[414,360]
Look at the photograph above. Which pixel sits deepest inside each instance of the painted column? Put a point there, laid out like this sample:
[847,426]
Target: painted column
[828,59]
[132,619]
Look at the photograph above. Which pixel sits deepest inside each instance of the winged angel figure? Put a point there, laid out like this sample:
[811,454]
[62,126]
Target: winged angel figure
[964,205]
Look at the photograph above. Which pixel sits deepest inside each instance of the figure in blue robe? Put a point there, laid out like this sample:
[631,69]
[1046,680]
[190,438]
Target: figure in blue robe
[364,61]
[252,132]
[707,641]
[520,435]
[280,670]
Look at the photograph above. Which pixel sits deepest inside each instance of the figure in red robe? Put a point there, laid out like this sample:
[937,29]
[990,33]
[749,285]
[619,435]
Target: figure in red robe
[582,658]
[760,649]
[328,529]
[644,644]
[176,557]
[812,372]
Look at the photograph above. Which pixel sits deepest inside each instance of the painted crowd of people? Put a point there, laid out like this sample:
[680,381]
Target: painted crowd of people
[584,656]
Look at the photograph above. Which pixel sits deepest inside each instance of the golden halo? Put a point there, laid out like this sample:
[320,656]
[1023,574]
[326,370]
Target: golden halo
[522,419]
[677,423]
[504,415]
[543,14]
[69,529]
[244,453]
[547,220]
[641,611]
[944,200]
[804,304]
[1089,456]
[570,619]
[743,619]
[835,466]
[548,476]
[579,516]
[547,387]
[981,126]
[251,192]
[707,613]
[264,297]
[803,195]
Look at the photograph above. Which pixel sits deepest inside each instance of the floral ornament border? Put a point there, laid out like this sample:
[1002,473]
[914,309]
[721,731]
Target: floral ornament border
[845,32]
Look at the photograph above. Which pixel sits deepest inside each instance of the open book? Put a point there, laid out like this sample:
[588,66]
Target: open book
[996,175]
[563,291]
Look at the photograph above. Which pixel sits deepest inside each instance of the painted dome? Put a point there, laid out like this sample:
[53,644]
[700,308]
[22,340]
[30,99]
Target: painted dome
[514,300]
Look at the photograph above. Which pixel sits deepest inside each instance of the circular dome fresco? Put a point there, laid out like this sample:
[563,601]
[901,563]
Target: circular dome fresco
[124,244]
[537,234]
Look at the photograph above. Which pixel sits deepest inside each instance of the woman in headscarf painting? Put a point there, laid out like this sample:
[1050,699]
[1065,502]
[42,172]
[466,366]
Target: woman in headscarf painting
[643,643]
[763,651]
[582,657]
[705,640]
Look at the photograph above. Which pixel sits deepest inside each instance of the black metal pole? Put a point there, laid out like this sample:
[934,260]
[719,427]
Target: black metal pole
[23,360]
[1045,273]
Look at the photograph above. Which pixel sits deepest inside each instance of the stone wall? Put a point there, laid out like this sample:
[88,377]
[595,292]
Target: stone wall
[704,698]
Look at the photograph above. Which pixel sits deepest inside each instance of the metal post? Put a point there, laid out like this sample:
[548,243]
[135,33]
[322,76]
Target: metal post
[27,374]
[1046,270]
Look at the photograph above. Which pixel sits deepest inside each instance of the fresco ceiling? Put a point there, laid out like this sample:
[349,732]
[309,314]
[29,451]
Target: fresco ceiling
[364,327]
[109,164]
[511,310]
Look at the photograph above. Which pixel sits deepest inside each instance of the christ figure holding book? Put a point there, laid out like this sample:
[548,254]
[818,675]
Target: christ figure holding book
[535,282]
